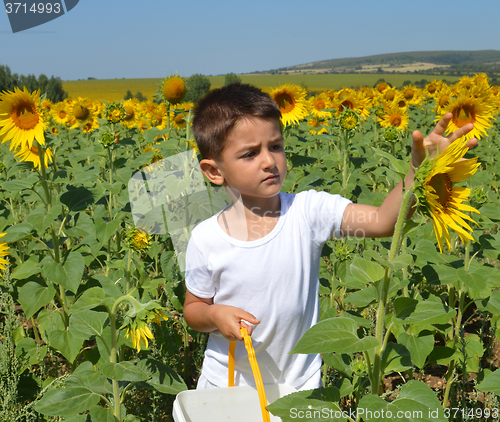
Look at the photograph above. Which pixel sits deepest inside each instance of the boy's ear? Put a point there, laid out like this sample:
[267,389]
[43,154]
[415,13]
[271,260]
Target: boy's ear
[211,171]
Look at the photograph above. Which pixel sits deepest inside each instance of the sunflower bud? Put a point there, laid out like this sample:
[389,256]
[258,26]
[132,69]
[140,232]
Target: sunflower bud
[349,119]
[115,113]
[390,134]
[107,138]
[173,89]
[138,240]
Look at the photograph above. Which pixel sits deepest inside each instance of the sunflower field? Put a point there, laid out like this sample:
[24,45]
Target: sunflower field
[91,303]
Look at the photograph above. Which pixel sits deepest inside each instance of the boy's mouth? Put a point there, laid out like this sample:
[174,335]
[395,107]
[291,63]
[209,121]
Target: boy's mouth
[272,177]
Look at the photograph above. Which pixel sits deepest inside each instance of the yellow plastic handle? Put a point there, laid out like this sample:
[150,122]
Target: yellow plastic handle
[255,370]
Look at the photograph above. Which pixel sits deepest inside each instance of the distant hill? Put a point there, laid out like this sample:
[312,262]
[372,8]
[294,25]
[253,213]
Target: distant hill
[443,62]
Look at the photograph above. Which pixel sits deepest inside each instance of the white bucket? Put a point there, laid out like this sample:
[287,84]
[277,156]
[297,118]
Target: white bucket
[239,404]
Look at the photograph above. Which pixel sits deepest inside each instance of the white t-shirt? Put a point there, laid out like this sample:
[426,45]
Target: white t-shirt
[275,278]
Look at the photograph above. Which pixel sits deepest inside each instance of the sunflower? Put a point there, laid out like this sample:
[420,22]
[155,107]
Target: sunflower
[348,99]
[443,99]
[348,120]
[291,100]
[395,117]
[20,118]
[173,89]
[390,94]
[468,109]
[438,198]
[82,112]
[90,125]
[60,113]
[400,102]
[140,333]
[382,86]
[137,240]
[465,82]
[27,153]
[319,124]
[115,112]
[157,156]
[3,252]
[46,108]
[411,93]
[318,104]
[137,321]
[132,113]
[158,116]
[432,88]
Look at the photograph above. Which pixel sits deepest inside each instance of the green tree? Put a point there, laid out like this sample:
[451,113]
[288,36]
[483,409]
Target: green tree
[54,90]
[138,96]
[7,80]
[197,86]
[231,78]
[30,82]
[128,95]
[43,81]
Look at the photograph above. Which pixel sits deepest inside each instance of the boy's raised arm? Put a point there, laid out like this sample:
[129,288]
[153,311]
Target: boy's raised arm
[369,221]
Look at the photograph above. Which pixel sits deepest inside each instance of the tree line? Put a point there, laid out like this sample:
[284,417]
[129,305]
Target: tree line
[52,87]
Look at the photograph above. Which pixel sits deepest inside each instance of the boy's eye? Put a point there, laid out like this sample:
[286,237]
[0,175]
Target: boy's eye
[249,154]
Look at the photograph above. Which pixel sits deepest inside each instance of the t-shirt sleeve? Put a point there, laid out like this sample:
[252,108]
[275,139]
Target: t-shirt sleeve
[198,274]
[323,212]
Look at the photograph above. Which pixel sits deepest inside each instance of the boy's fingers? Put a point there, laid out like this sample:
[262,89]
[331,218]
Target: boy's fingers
[249,328]
[418,139]
[461,131]
[442,124]
[249,318]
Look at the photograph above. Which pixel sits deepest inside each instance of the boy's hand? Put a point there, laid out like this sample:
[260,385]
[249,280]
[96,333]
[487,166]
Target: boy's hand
[435,143]
[229,320]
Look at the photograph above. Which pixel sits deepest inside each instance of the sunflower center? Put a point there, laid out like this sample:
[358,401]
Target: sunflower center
[444,100]
[34,150]
[395,121]
[61,114]
[320,105]
[285,102]
[431,88]
[25,115]
[80,112]
[140,240]
[129,113]
[463,115]
[389,95]
[402,104]
[156,120]
[409,94]
[346,104]
[441,183]
[179,119]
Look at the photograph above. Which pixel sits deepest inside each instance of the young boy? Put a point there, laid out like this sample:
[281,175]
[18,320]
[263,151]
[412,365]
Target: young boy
[256,263]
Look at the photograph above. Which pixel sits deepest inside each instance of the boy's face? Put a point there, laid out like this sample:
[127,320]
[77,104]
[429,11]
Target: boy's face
[253,160]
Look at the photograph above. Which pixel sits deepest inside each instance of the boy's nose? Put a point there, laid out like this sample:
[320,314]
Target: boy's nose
[268,160]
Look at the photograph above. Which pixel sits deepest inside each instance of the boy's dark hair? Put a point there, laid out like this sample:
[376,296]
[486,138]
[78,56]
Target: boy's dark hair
[216,114]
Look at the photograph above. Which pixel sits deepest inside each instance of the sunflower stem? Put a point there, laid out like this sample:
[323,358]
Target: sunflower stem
[112,358]
[397,239]
[113,353]
[129,264]
[345,145]
[41,154]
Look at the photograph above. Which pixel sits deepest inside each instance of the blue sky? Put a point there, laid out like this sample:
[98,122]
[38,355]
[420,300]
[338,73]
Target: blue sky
[109,39]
